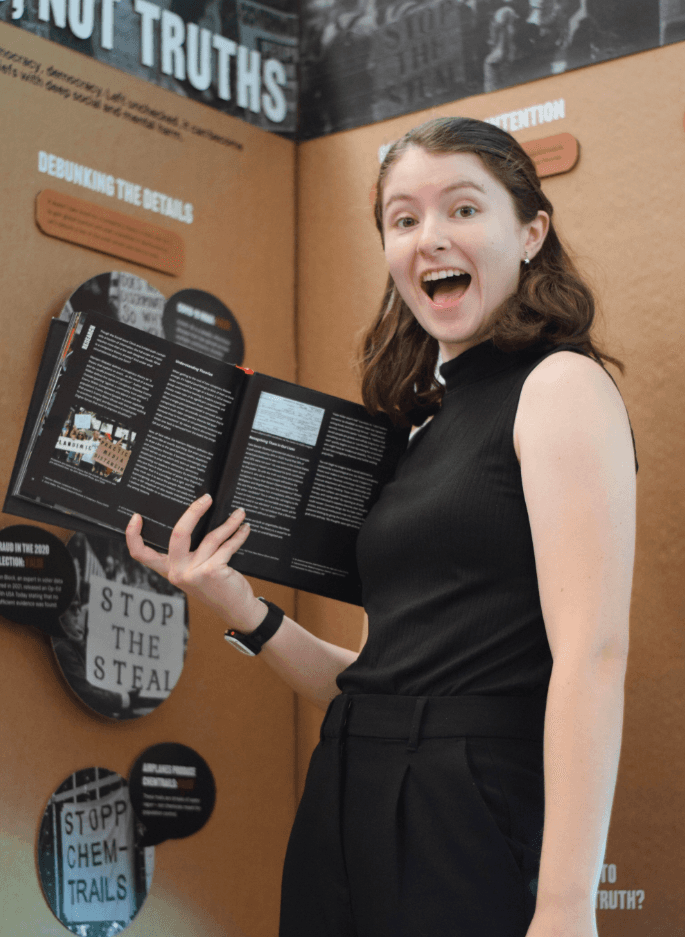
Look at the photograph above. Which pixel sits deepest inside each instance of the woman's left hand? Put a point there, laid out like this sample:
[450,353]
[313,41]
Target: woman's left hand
[204,572]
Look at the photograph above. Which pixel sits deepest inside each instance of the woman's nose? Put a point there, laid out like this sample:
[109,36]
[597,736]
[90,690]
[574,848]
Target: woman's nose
[434,236]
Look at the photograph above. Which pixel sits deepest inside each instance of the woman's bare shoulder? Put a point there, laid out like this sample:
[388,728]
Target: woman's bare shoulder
[570,388]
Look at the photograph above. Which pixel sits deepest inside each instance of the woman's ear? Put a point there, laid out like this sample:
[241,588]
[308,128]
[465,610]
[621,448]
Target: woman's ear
[537,232]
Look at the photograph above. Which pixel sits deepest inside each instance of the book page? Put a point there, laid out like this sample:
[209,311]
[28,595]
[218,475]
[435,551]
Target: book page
[135,425]
[307,467]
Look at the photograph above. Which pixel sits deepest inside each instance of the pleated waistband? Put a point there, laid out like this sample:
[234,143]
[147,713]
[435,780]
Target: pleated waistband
[415,717]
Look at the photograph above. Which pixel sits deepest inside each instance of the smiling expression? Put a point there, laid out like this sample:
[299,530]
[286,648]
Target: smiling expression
[453,243]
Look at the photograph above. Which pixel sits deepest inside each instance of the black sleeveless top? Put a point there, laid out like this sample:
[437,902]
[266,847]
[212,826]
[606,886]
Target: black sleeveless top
[446,553]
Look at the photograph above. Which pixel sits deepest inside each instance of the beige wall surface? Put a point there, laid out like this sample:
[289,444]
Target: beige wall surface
[622,211]
[231,710]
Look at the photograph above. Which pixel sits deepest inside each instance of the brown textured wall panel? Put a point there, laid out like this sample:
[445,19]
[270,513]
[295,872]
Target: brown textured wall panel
[234,711]
[622,210]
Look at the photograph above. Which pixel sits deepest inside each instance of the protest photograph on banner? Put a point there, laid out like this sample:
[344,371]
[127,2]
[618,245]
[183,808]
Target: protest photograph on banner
[364,61]
[94,870]
[124,635]
[92,443]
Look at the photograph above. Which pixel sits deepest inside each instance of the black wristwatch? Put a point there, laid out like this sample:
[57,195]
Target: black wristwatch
[251,644]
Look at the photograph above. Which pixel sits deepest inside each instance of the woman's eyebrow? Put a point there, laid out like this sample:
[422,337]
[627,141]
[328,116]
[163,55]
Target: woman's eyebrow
[462,184]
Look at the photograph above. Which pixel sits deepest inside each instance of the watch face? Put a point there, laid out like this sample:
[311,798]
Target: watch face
[238,644]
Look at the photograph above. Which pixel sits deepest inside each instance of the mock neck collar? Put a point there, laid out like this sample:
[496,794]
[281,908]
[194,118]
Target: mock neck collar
[476,363]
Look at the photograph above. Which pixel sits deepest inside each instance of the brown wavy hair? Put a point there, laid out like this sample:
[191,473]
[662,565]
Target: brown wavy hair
[552,304]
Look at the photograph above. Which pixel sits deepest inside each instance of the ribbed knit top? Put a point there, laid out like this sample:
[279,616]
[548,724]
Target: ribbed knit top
[446,553]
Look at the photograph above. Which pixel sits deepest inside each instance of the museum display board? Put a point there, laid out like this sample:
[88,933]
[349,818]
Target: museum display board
[221,204]
[183,221]
[622,209]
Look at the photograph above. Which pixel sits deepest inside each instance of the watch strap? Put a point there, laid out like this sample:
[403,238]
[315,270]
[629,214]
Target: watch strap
[252,643]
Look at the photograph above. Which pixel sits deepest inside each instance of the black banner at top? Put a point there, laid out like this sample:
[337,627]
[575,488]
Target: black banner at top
[238,56]
[359,61]
[364,61]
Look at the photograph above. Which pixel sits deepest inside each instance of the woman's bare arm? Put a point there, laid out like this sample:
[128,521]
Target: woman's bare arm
[578,474]
[306,663]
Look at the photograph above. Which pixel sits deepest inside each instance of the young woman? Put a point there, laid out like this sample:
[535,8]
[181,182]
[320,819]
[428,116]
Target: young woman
[464,779]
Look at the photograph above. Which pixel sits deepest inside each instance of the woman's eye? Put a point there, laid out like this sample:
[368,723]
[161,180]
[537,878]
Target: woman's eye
[465,208]
[401,222]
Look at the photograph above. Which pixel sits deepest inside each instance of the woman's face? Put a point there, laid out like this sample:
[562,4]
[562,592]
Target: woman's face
[447,213]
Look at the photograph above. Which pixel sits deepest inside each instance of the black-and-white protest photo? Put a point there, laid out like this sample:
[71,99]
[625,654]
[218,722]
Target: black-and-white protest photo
[368,60]
[92,443]
[360,61]
[94,871]
[125,633]
[123,296]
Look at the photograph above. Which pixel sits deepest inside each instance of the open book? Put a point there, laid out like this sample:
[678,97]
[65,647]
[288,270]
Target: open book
[125,422]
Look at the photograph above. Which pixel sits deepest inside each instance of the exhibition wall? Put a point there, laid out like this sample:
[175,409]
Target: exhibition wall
[622,211]
[283,235]
[239,247]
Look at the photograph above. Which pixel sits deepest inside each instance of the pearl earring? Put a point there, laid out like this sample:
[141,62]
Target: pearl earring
[526,261]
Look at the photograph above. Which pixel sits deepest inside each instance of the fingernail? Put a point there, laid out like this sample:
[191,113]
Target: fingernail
[132,519]
[238,510]
[205,497]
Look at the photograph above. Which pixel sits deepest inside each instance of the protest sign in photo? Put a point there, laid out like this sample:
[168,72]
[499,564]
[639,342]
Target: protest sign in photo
[94,870]
[125,633]
[89,442]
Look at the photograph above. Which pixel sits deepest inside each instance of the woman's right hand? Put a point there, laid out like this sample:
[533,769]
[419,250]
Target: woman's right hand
[204,573]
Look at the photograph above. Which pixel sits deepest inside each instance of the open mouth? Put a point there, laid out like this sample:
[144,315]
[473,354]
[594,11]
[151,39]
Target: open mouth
[445,285]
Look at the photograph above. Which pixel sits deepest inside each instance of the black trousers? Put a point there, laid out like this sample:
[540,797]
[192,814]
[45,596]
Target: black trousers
[420,817]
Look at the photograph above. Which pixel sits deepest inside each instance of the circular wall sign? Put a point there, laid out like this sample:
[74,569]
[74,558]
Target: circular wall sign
[172,791]
[37,577]
[199,321]
[94,869]
[124,636]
